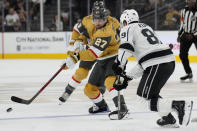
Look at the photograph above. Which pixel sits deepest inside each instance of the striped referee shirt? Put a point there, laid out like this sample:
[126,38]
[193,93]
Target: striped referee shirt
[188,21]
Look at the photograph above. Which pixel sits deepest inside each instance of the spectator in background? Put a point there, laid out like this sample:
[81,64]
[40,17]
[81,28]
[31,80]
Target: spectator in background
[171,19]
[12,20]
[20,7]
[6,8]
[54,26]
[65,20]
[22,19]
[35,8]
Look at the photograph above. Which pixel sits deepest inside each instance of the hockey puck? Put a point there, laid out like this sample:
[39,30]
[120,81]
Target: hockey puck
[9,109]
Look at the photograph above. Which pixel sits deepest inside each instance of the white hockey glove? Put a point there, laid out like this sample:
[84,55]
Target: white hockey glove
[79,46]
[135,72]
[71,60]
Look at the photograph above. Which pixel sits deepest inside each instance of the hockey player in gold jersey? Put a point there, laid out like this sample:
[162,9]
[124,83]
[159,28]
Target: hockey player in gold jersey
[82,33]
[82,72]
[104,44]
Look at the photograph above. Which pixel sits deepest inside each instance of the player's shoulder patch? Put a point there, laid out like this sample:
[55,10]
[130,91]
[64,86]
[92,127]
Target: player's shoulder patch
[82,29]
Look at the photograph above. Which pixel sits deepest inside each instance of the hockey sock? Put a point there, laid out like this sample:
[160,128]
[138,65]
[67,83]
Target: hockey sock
[164,106]
[97,99]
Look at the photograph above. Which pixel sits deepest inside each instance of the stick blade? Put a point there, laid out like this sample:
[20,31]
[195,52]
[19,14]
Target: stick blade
[19,100]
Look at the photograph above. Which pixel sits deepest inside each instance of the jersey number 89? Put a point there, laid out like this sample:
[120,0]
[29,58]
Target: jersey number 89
[151,38]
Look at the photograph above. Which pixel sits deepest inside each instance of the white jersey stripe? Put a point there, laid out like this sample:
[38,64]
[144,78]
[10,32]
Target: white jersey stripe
[146,81]
[152,81]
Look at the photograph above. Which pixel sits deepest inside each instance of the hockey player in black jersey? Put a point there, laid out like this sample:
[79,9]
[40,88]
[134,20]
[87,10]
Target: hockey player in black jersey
[156,64]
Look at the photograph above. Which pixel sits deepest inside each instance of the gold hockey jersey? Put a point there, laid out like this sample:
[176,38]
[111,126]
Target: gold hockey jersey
[86,27]
[104,43]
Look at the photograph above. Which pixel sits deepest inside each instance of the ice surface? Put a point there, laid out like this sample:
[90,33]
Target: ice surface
[23,78]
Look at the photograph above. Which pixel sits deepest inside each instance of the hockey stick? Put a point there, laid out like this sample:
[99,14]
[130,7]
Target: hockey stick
[119,115]
[119,99]
[27,102]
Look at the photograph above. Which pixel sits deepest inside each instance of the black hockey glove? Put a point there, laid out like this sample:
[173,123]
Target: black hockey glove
[121,82]
[118,70]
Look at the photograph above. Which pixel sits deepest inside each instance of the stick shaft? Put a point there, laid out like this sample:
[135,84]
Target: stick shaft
[119,105]
[119,117]
[22,101]
[48,82]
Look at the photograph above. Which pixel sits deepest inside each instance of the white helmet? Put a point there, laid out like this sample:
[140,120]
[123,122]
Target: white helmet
[129,16]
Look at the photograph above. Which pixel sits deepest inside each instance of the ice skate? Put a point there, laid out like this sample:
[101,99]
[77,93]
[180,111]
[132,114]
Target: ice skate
[183,109]
[168,122]
[99,107]
[123,113]
[187,77]
[64,98]
[68,91]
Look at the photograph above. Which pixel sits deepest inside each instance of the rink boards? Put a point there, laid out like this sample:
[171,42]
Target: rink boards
[53,45]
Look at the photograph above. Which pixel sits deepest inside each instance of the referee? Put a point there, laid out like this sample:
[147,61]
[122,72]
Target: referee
[187,35]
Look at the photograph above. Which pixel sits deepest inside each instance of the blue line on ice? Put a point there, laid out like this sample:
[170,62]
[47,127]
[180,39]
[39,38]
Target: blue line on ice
[66,116]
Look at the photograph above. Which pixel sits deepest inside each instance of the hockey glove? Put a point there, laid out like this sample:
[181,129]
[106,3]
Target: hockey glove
[72,59]
[121,82]
[79,46]
[117,68]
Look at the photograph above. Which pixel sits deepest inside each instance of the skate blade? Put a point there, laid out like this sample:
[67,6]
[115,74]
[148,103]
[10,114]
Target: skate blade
[191,80]
[60,103]
[102,112]
[127,116]
[187,81]
[170,126]
[188,112]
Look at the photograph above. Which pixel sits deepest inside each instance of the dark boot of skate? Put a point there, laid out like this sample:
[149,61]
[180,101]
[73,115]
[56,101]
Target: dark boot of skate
[68,91]
[168,121]
[188,76]
[179,107]
[99,107]
[183,109]
[124,112]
